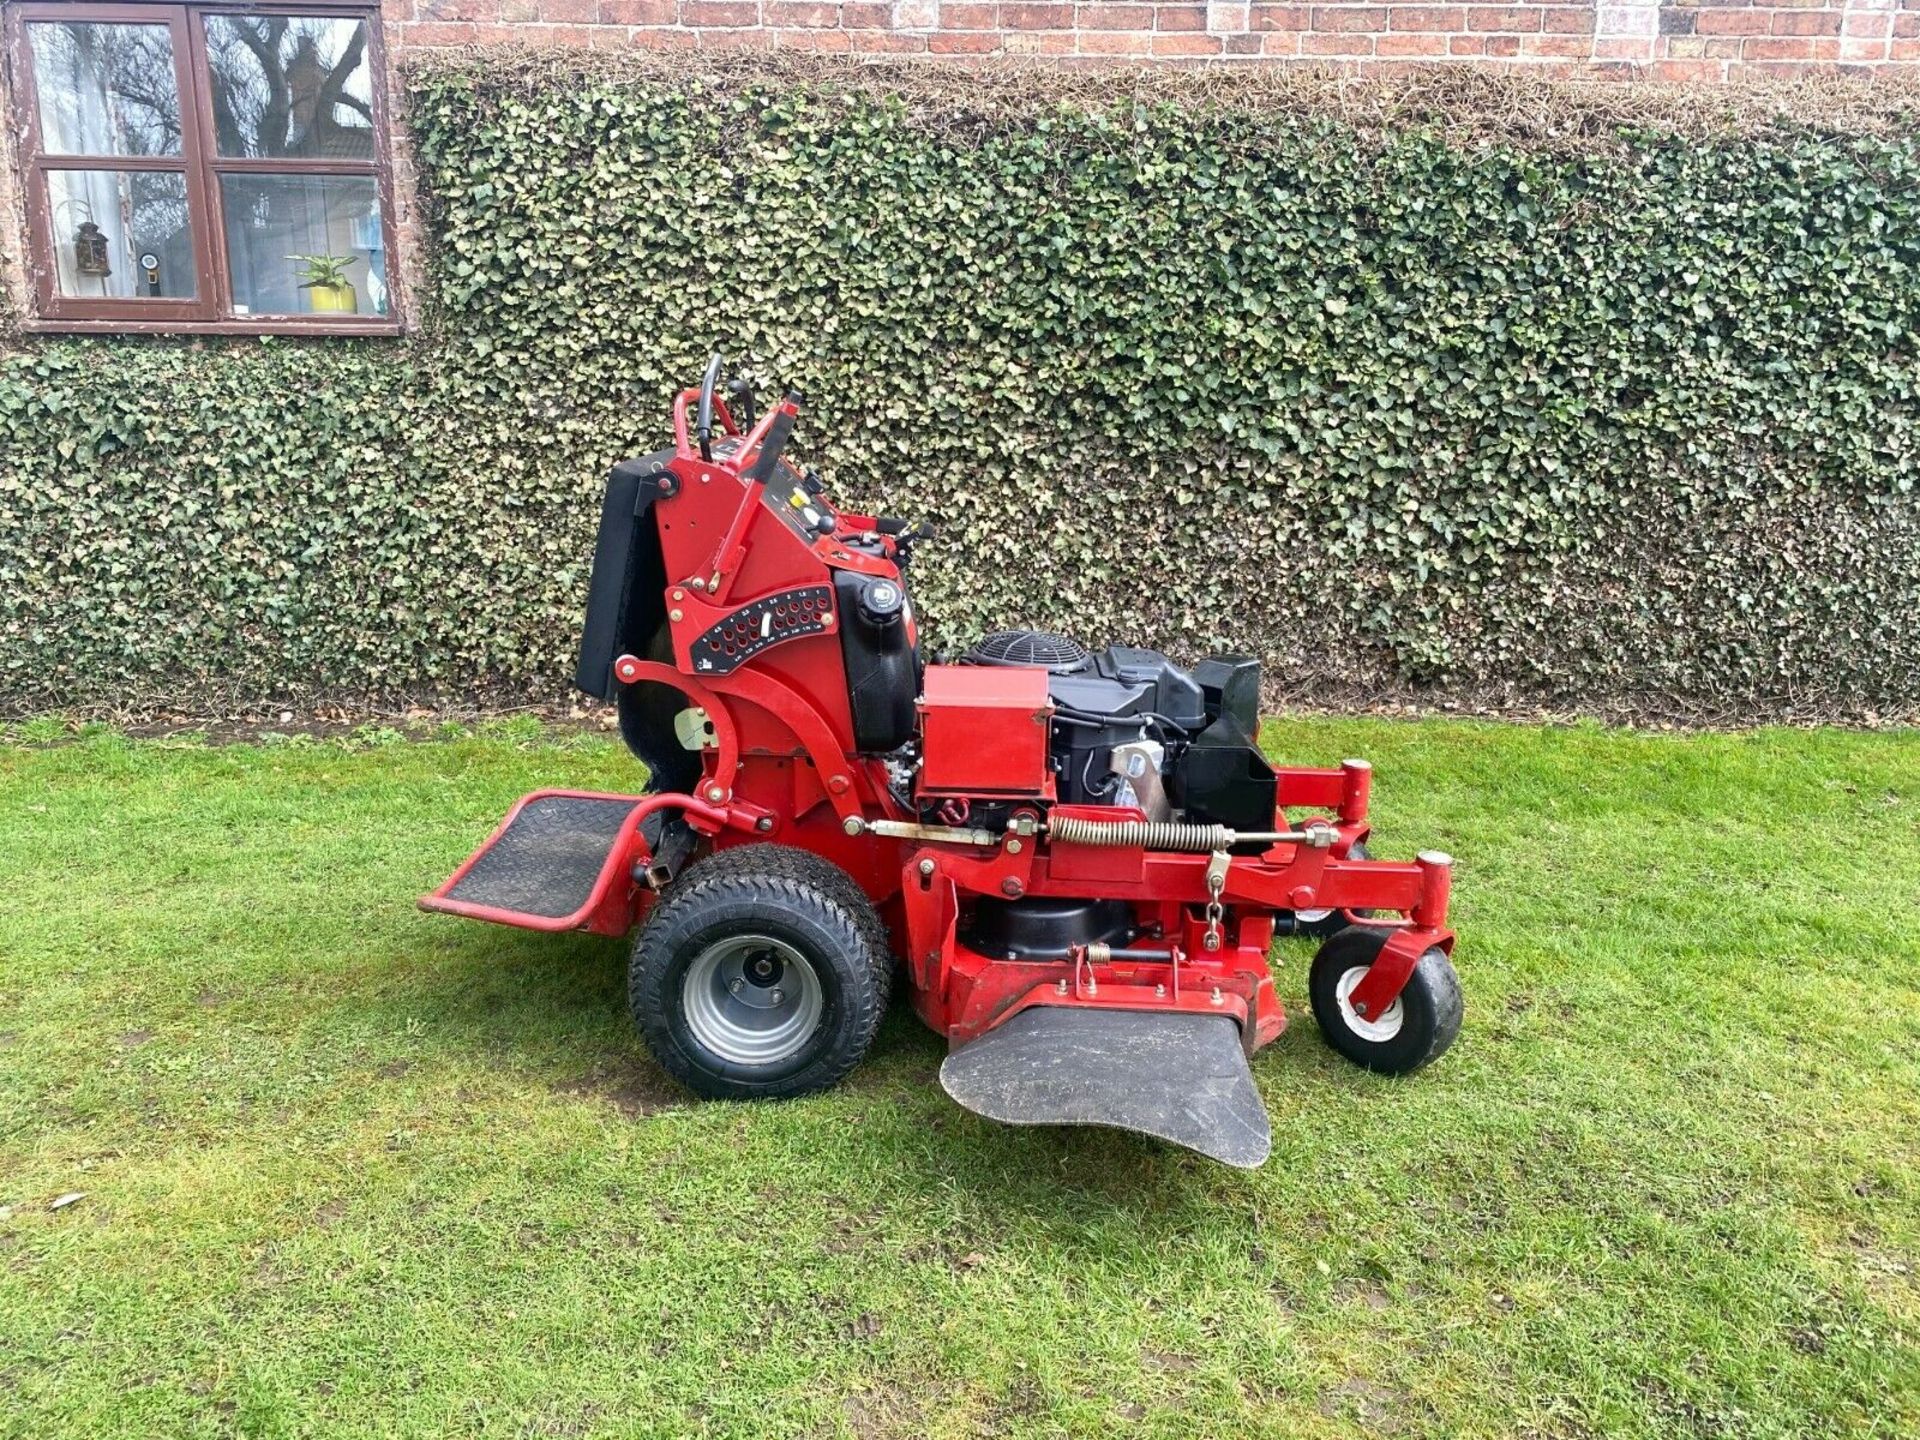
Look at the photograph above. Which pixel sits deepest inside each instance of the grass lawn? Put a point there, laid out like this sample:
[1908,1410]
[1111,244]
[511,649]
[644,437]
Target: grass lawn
[350,1169]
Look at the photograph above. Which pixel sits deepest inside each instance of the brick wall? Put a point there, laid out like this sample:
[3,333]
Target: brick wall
[1687,40]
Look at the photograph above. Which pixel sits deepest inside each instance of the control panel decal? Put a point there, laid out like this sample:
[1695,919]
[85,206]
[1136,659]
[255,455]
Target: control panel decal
[760,624]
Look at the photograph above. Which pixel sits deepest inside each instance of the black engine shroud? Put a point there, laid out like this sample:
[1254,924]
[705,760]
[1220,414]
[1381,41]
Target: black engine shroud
[1207,719]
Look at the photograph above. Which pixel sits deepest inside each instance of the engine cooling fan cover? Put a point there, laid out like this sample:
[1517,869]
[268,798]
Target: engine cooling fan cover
[1055,654]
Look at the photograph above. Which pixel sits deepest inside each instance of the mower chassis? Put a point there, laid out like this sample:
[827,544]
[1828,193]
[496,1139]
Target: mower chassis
[779,761]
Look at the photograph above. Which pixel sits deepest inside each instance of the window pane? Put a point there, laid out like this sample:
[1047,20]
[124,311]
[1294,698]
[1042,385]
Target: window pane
[282,228]
[121,234]
[105,89]
[290,85]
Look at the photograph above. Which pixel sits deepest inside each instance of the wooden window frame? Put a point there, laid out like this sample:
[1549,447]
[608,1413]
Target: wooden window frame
[210,311]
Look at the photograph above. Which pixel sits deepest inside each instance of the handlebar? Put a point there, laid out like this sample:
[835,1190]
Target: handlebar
[703,427]
[738,389]
[779,429]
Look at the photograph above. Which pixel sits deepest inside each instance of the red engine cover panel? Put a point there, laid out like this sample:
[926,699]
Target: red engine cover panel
[985,730]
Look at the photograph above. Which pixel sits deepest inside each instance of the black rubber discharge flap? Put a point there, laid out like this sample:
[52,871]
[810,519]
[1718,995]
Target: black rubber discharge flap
[1178,1077]
[546,862]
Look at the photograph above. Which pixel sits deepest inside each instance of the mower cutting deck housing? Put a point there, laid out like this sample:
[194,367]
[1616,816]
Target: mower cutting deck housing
[1080,860]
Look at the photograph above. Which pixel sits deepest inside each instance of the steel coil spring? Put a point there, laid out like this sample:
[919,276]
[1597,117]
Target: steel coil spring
[1148,834]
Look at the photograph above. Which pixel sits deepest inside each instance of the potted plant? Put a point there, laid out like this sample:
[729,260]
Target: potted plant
[324,278]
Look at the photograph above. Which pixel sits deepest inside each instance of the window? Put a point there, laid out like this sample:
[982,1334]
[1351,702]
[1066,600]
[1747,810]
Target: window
[204,167]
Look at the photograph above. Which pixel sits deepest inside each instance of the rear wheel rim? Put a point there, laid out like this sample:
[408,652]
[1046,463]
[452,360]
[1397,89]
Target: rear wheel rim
[752,999]
[1379,1031]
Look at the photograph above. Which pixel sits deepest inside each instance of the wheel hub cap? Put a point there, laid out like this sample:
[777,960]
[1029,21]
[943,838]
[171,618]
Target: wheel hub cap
[1383,1027]
[752,999]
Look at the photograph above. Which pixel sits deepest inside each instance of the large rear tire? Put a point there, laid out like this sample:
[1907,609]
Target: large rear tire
[1415,1030]
[762,973]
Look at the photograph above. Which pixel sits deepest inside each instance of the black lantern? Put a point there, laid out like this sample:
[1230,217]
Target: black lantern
[90,250]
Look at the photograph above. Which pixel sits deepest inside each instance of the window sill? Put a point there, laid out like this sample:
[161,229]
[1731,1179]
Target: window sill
[285,326]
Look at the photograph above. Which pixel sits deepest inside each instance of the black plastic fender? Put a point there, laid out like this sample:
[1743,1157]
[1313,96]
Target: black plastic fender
[626,604]
[1174,1075]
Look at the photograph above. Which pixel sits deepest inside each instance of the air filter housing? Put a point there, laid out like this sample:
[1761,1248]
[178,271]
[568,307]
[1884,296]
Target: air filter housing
[1055,654]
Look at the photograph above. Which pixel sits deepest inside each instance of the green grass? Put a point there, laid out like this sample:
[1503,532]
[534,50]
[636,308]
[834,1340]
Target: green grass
[350,1169]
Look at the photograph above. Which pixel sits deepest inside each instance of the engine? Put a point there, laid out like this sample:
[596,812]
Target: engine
[1132,728]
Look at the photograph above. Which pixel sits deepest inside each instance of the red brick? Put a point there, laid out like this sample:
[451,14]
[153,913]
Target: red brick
[432,33]
[1806,22]
[1349,19]
[1114,17]
[1115,42]
[639,12]
[471,10]
[719,13]
[813,40]
[965,42]
[1507,19]
[572,37]
[1180,17]
[1732,22]
[732,39]
[1322,44]
[1040,42]
[882,42]
[1564,20]
[1186,44]
[1557,47]
[800,15]
[1798,48]
[1280,17]
[661,39]
[1687,71]
[1702,40]
[1036,17]
[1427,19]
[1406,45]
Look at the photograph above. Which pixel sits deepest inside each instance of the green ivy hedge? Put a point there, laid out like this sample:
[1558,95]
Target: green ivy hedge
[1567,394]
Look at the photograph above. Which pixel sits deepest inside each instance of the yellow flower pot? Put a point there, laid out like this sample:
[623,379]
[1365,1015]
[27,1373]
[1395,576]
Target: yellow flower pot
[340,299]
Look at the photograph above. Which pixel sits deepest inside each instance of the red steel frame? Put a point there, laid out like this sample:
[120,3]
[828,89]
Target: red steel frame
[783,767]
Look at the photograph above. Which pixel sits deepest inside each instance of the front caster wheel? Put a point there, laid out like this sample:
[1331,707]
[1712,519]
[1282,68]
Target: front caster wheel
[762,973]
[1415,1030]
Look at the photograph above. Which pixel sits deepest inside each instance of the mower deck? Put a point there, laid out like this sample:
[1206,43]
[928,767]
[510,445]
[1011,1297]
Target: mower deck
[1177,1077]
[547,866]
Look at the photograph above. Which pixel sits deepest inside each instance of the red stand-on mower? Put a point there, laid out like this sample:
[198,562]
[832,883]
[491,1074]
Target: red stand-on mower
[1081,860]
